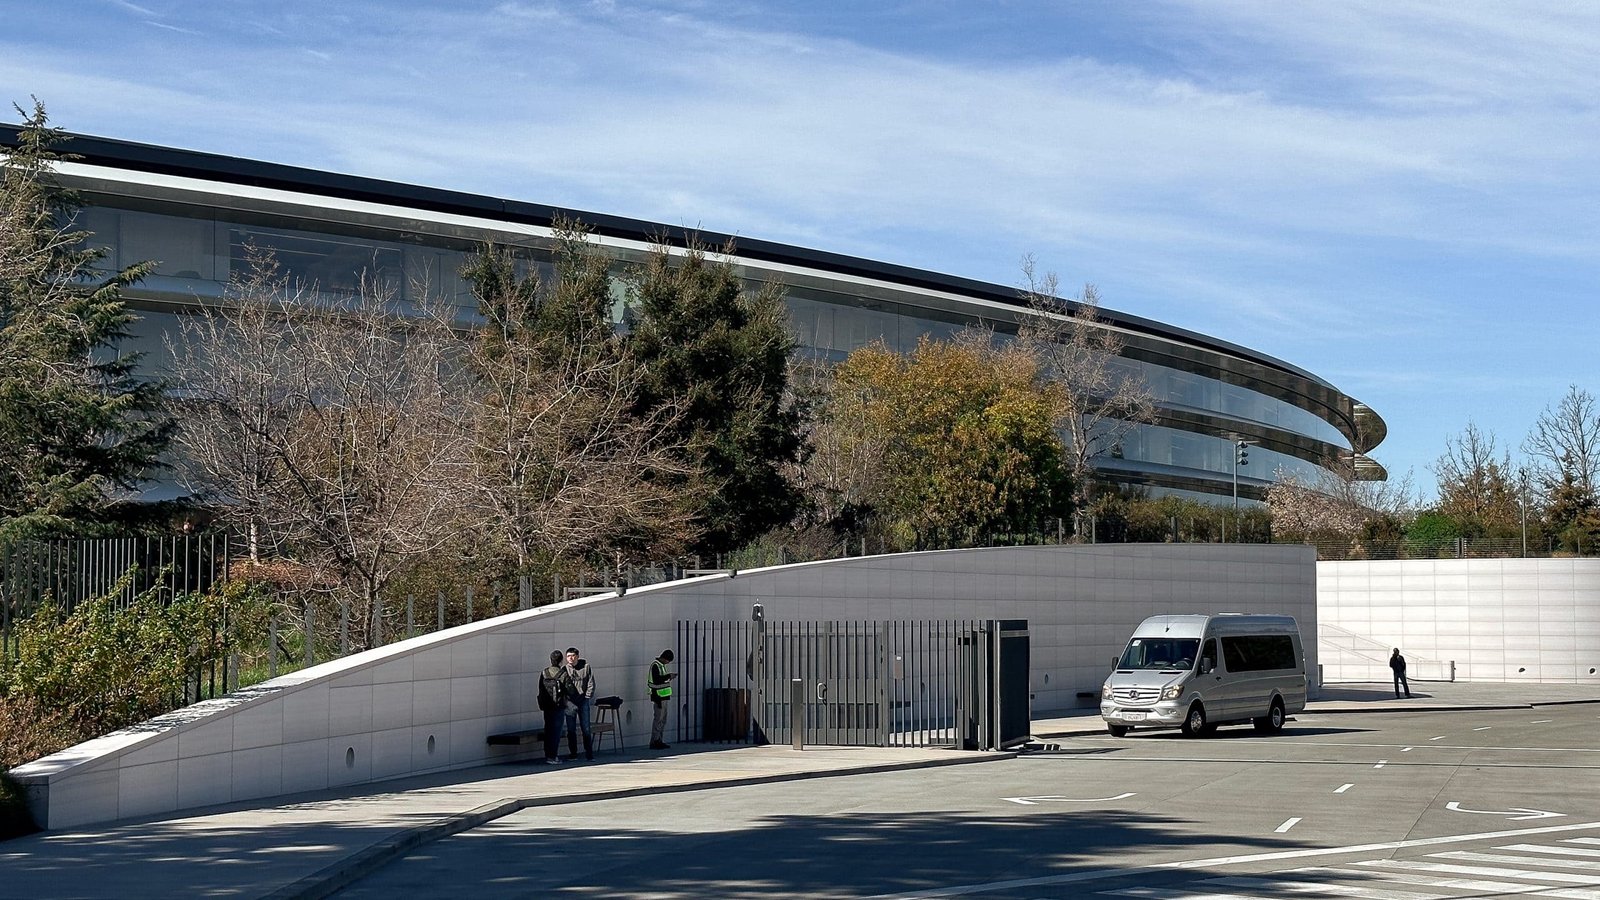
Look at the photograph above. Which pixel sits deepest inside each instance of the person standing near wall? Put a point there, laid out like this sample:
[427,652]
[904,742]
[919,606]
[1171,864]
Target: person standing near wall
[1398,664]
[582,705]
[660,686]
[555,684]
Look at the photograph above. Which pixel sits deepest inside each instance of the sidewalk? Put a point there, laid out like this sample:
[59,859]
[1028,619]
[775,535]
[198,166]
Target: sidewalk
[1378,697]
[312,844]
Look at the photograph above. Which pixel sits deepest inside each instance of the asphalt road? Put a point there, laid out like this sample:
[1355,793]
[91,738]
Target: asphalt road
[1397,805]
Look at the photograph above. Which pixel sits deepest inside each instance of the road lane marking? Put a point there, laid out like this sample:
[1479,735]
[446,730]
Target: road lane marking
[959,890]
[1287,825]
[1342,788]
[1541,721]
[1405,749]
[1032,801]
[1483,728]
[1455,806]
[1439,738]
[1381,764]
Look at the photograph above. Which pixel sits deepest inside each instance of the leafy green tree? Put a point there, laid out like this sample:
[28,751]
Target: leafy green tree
[719,353]
[562,466]
[76,421]
[961,438]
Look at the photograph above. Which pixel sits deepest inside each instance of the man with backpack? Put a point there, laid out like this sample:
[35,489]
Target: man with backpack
[555,687]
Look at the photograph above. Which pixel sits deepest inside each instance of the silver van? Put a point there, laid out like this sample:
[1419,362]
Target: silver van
[1198,672]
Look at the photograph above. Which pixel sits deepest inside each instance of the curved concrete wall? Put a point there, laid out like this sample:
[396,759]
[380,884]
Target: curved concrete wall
[1498,619]
[427,704]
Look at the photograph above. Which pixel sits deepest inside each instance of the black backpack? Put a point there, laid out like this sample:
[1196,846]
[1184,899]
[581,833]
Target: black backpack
[553,689]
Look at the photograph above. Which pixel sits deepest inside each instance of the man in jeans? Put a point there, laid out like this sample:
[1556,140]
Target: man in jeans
[1398,664]
[582,704]
[660,686]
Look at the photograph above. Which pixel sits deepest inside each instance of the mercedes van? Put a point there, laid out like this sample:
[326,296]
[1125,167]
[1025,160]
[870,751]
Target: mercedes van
[1198,672]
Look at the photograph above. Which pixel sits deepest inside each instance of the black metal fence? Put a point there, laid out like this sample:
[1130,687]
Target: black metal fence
[861,683]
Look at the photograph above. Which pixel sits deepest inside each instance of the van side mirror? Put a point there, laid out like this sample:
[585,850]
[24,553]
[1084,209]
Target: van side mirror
[1115,660]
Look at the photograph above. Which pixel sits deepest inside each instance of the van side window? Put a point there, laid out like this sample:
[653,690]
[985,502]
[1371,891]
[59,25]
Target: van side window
[1258,653]
[1208,656]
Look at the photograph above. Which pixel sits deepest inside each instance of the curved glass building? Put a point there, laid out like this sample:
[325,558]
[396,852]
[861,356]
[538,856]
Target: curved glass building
[198,213]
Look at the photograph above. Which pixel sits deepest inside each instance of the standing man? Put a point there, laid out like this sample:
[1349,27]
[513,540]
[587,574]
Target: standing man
[582,704]
[1398,664]
[554,686]
[661,695]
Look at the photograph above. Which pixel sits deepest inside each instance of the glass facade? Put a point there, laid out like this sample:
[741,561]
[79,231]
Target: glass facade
[199,248]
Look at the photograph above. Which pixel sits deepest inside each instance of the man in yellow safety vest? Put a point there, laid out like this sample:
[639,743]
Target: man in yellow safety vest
[661,695]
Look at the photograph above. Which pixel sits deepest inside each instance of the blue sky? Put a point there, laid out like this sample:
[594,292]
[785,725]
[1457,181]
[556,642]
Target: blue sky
[1402,197]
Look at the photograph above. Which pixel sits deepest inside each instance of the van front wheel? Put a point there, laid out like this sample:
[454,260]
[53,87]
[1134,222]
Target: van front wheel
[1194,724]
[1272,722]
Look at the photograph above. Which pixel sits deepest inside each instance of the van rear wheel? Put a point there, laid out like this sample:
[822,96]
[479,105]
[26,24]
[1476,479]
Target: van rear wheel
[1194,724]
[1117,730]
[1272,722]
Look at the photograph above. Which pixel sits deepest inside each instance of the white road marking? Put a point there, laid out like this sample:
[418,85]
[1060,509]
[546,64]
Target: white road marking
[1273,886]
[1469,856]
[1483,728]
[1405,749]
[1381,764]
[1124,742]
[1541,721]
[1455,806]
[1287,825]
[1439,738]
[1501,872]
[960,890]
[1559,851]
[1032,801]
[1488,888]
[1342,788]
[1581,841]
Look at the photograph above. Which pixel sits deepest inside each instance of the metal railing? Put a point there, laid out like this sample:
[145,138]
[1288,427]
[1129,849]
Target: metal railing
[898,683]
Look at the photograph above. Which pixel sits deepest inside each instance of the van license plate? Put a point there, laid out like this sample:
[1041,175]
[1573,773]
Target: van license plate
[1133,716]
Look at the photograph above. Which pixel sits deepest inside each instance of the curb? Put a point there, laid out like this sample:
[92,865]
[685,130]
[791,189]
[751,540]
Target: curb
[1376,706]
[342,873]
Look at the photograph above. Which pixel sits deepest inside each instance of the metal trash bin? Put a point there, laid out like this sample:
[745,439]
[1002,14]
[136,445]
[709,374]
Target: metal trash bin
[726,715]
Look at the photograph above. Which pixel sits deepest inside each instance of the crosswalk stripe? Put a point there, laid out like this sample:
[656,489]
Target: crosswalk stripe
[1470,856]
[1170,894]
[1494,888]
[1498,871]
[1274,886]
[1542,848]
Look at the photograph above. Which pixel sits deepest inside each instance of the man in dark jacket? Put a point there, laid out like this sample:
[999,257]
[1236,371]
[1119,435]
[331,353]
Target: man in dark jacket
[660,687]
[581,705]
[555,684]
[1398,664]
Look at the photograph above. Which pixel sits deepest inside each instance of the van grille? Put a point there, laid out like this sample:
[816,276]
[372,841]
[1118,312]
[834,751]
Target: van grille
[1135,694]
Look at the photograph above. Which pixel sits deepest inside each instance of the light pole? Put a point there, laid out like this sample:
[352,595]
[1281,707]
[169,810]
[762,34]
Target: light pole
[1522,495]
[1241,457]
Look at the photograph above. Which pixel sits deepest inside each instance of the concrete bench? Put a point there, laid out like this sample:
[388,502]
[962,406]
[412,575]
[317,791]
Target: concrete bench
[518,738]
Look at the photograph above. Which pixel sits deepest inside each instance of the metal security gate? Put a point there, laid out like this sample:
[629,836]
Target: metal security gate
[927,683]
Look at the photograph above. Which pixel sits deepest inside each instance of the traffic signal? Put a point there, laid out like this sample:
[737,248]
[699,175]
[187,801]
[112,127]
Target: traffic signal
[1242,450]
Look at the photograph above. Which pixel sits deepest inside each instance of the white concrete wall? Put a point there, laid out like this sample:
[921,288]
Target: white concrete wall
[1498,619]
[428,703]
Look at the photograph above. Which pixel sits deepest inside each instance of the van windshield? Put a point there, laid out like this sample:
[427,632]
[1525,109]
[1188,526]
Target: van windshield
[1160,653]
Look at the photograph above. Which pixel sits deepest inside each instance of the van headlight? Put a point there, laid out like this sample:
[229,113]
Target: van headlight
[1173,692]
[1105,691]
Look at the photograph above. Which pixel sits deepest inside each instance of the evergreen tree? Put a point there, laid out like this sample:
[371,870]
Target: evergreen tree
[720,353]
[76,423]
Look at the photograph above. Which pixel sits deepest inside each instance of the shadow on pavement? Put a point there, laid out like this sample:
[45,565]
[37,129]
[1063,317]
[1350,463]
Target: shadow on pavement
[860,854]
